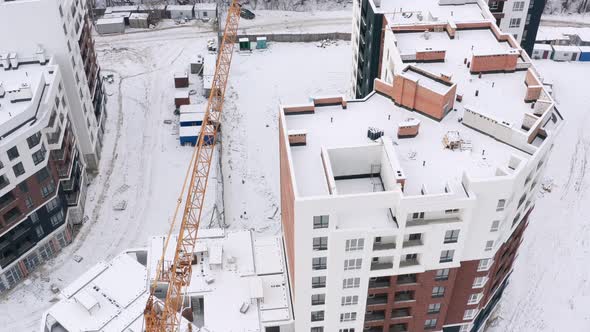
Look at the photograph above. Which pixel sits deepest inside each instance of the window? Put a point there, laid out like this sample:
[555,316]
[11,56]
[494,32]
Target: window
[351,283]
[42,175]
[353,264]
[39,231]
[34,217]
[33,140]
[320,222]
[403,296]
[318,282]
[355,244]
[430,323]
[39,156]
[350,329]
[446,256]
[514,23]
[29,202]
[434,308]
[348,316]
[6,199]
[319,263]
[522,199]
[501,205]
[489,245]
[47,189]
[452,236]
[52,204]
[479,282]
[12,153]
[18,169]
[317,329]
[317,316]
[516,219]
[495,226]
[438,291]
[320,243]
[418,215]
[57,218]
[451,211]
[318,299]
[350,300]
[12,215]
[469,314]
[484,264]
[61,11]
[474,298]
[518,6]
[442,274]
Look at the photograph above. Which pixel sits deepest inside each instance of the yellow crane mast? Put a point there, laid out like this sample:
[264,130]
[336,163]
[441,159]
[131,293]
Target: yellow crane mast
[165,317]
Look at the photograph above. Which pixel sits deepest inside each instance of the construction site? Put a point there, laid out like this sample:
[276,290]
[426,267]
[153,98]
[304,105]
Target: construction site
[363,166]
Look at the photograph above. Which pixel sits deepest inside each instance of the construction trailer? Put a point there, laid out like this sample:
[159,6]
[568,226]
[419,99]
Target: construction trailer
[192,108]
[208,72]
[139,20]
[542,51]
[260,42]
[106,26]
[244,44]
[181,80]
[121,9]
[196,65]
[181,98]
[191,119]
[584,53]
[124,15]
[204,11]
[566,53]
[177,12]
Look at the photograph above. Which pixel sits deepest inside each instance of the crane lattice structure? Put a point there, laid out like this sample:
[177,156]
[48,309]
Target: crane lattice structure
[164,316]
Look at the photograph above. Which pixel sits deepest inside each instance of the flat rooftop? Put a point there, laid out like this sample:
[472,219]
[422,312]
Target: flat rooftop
[424,159]
[232,270]
[500,95]
[409,12]
[20,86]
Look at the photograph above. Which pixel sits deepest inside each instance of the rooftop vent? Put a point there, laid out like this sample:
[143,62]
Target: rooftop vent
[2,90]
[4,61]
[24,93]
[408,128]
[374,133]
[13,60]
[41,56]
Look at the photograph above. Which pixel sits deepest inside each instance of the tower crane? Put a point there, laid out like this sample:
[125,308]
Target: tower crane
[163,315]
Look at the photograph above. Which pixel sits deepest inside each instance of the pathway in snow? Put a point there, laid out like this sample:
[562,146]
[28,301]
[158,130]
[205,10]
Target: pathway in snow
[550,286]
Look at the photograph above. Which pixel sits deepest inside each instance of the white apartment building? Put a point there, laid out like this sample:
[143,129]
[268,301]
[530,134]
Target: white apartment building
[404,210]
[62,29]
[42,177]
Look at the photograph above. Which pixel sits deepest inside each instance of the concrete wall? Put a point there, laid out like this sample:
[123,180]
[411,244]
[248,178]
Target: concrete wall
[298,37]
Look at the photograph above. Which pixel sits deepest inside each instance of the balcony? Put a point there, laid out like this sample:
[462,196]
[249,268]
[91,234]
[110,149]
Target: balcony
[399,328]
[383,246]
[377,299]
[404,296]
[72,198]
[401,313]
[53,138]
[412,243]
[380,282]
[406,279]
[420,222]
[381,265]
[375,316]
[409,262]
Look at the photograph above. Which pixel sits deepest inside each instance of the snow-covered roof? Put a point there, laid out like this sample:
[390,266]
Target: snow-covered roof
[139,16]
[206,6]
[111,20]
[428,11]
[179,7]
[193,108]
[129,8]
[108,297]
[191,117]
[566,48]
[543,47]
[234,270]
[21,90]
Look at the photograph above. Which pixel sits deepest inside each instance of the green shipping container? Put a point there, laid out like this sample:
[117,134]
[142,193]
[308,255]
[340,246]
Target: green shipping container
[260,42]
[244,44]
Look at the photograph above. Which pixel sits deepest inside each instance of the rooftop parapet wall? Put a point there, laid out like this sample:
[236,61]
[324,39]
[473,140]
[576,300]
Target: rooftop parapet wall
[489,63]
[534,86]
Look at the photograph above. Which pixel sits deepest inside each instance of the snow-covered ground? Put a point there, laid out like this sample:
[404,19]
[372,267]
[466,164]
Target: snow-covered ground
[550,286]
[275,21]
[144,165]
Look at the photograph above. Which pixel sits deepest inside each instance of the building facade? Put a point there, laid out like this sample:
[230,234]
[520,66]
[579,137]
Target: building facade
[521,18]
[63,30]
[404,210]
[42,174]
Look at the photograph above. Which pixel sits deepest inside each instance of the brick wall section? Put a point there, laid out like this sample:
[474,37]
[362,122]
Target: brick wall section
[409,94]
[534,86]
[493,63]
[303,109]
[287,205]
[418,307]
[431,56]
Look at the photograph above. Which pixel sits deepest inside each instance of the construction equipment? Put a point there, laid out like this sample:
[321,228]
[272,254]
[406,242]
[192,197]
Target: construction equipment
[164,316]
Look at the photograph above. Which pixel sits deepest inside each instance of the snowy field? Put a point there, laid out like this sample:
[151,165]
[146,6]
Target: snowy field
[550,287]
[144,165]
